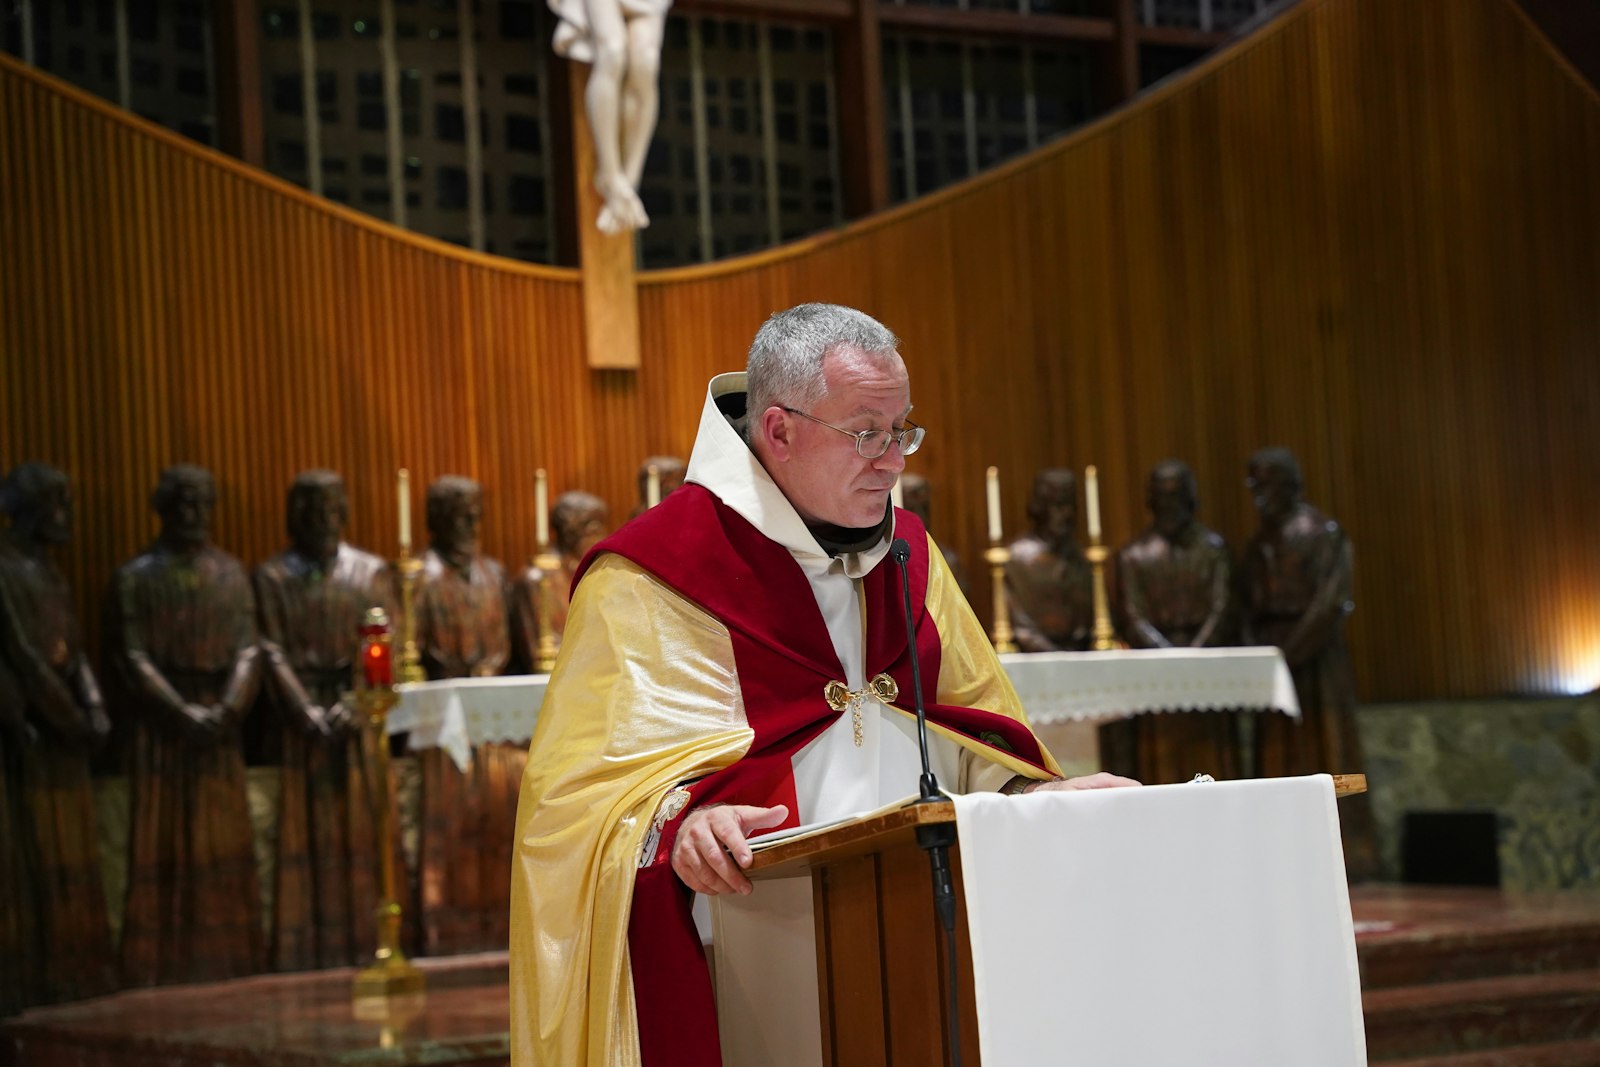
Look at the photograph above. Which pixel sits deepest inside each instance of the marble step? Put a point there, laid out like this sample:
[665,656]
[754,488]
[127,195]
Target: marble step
[1555,1054]
[1413,935]
[1477,954]
[1481,1014]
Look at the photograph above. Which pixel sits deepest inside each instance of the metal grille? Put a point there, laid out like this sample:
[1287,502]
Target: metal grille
[954,108]
[746,149]
[1211,16]
[151,57]
[437,122]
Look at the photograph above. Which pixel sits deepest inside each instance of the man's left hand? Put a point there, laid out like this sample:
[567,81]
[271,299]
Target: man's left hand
[1097,780]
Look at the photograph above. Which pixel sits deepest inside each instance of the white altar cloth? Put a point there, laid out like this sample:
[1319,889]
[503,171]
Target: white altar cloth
[1054,687]
[1074,686]
[1179,924]
[456,713]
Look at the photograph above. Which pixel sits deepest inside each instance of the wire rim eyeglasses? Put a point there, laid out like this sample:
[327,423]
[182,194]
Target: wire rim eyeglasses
[872,444]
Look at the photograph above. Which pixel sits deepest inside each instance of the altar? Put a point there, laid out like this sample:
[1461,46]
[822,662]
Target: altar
[1066,695]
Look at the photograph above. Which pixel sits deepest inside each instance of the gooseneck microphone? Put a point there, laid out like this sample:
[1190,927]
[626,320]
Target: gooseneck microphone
[930,785]
[935,838]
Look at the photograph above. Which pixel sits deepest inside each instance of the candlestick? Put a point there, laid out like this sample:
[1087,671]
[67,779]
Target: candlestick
[997,556]
[548,564]
[652,486]
[390,974]
[1091,493]
[410,568]
[404,490]
[1105,636]
[541,509]
[993,487]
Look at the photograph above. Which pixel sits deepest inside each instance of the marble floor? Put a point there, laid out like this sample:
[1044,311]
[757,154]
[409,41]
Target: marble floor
[1445,973]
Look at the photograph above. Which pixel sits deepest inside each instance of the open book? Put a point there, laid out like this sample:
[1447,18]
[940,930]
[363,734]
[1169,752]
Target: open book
[812,829]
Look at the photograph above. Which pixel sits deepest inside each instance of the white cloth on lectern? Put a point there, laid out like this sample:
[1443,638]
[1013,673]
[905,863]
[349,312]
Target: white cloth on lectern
[1174,924]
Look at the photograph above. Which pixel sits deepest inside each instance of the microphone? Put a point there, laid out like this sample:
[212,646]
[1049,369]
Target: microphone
[934,838]
[901,552]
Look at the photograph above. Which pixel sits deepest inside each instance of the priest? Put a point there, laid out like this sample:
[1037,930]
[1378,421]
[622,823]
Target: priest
[736,660]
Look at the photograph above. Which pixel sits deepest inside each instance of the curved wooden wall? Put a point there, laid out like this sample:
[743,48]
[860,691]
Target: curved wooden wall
[1368,233]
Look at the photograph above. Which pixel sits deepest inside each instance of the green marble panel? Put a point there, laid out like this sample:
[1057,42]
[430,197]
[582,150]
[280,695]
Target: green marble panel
[1534,762]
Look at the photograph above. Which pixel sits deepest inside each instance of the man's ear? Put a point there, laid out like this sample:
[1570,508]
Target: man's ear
[774,427]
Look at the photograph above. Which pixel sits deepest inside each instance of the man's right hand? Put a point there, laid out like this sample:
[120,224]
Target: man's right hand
[711,851]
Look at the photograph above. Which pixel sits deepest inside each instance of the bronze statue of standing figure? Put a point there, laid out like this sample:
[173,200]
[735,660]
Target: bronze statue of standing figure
[463,630]
[184,643]
[669,476]
[579,521]
[1174,589]
[1049,583]
[56,936]
[1295,588]
[462,627]
[312,599]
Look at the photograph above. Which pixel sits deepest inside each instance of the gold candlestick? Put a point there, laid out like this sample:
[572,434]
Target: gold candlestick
[1105,639]
[548,565]
[390,974]
[410,568]
[997,556]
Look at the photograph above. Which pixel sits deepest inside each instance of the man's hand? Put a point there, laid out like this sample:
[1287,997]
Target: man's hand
[711,853]
[1097,780]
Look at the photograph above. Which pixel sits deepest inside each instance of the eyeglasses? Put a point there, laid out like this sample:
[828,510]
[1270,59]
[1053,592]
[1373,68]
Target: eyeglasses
[871,444]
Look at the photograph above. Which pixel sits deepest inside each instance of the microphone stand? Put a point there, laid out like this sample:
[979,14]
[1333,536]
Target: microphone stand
[935,839]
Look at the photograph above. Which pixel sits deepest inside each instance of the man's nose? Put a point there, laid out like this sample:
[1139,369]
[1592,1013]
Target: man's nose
[892,460]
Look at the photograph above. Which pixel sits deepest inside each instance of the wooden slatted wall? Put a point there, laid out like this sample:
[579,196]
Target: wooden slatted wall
[1368,233]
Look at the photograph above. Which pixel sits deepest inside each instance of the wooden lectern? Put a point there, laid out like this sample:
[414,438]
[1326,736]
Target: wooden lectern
[881,961]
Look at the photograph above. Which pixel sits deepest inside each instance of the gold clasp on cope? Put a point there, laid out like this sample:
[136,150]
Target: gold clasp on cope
[885,688]
[841,697]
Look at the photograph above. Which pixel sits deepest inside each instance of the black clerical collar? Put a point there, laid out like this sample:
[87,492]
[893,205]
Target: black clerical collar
[843,540]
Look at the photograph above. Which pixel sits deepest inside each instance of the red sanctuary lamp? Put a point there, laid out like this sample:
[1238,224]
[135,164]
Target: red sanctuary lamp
[377,650]
[390,974]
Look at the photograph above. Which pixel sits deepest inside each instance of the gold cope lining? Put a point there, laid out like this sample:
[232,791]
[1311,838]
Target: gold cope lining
[646,697]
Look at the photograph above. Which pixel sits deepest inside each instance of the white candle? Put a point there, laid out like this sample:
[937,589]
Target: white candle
[652,486]
[541,509]
[1091,494]
[405,512]
[994,504]
[896,495]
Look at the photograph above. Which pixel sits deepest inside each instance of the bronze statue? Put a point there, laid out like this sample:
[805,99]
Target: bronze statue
[462,627]
[917,495]
[1295,588]
[312,599]
[184,643]
[579,521]
[56,719]
[669,476]
[463,630]
[1174,590]
[21,946]
[1049,583]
